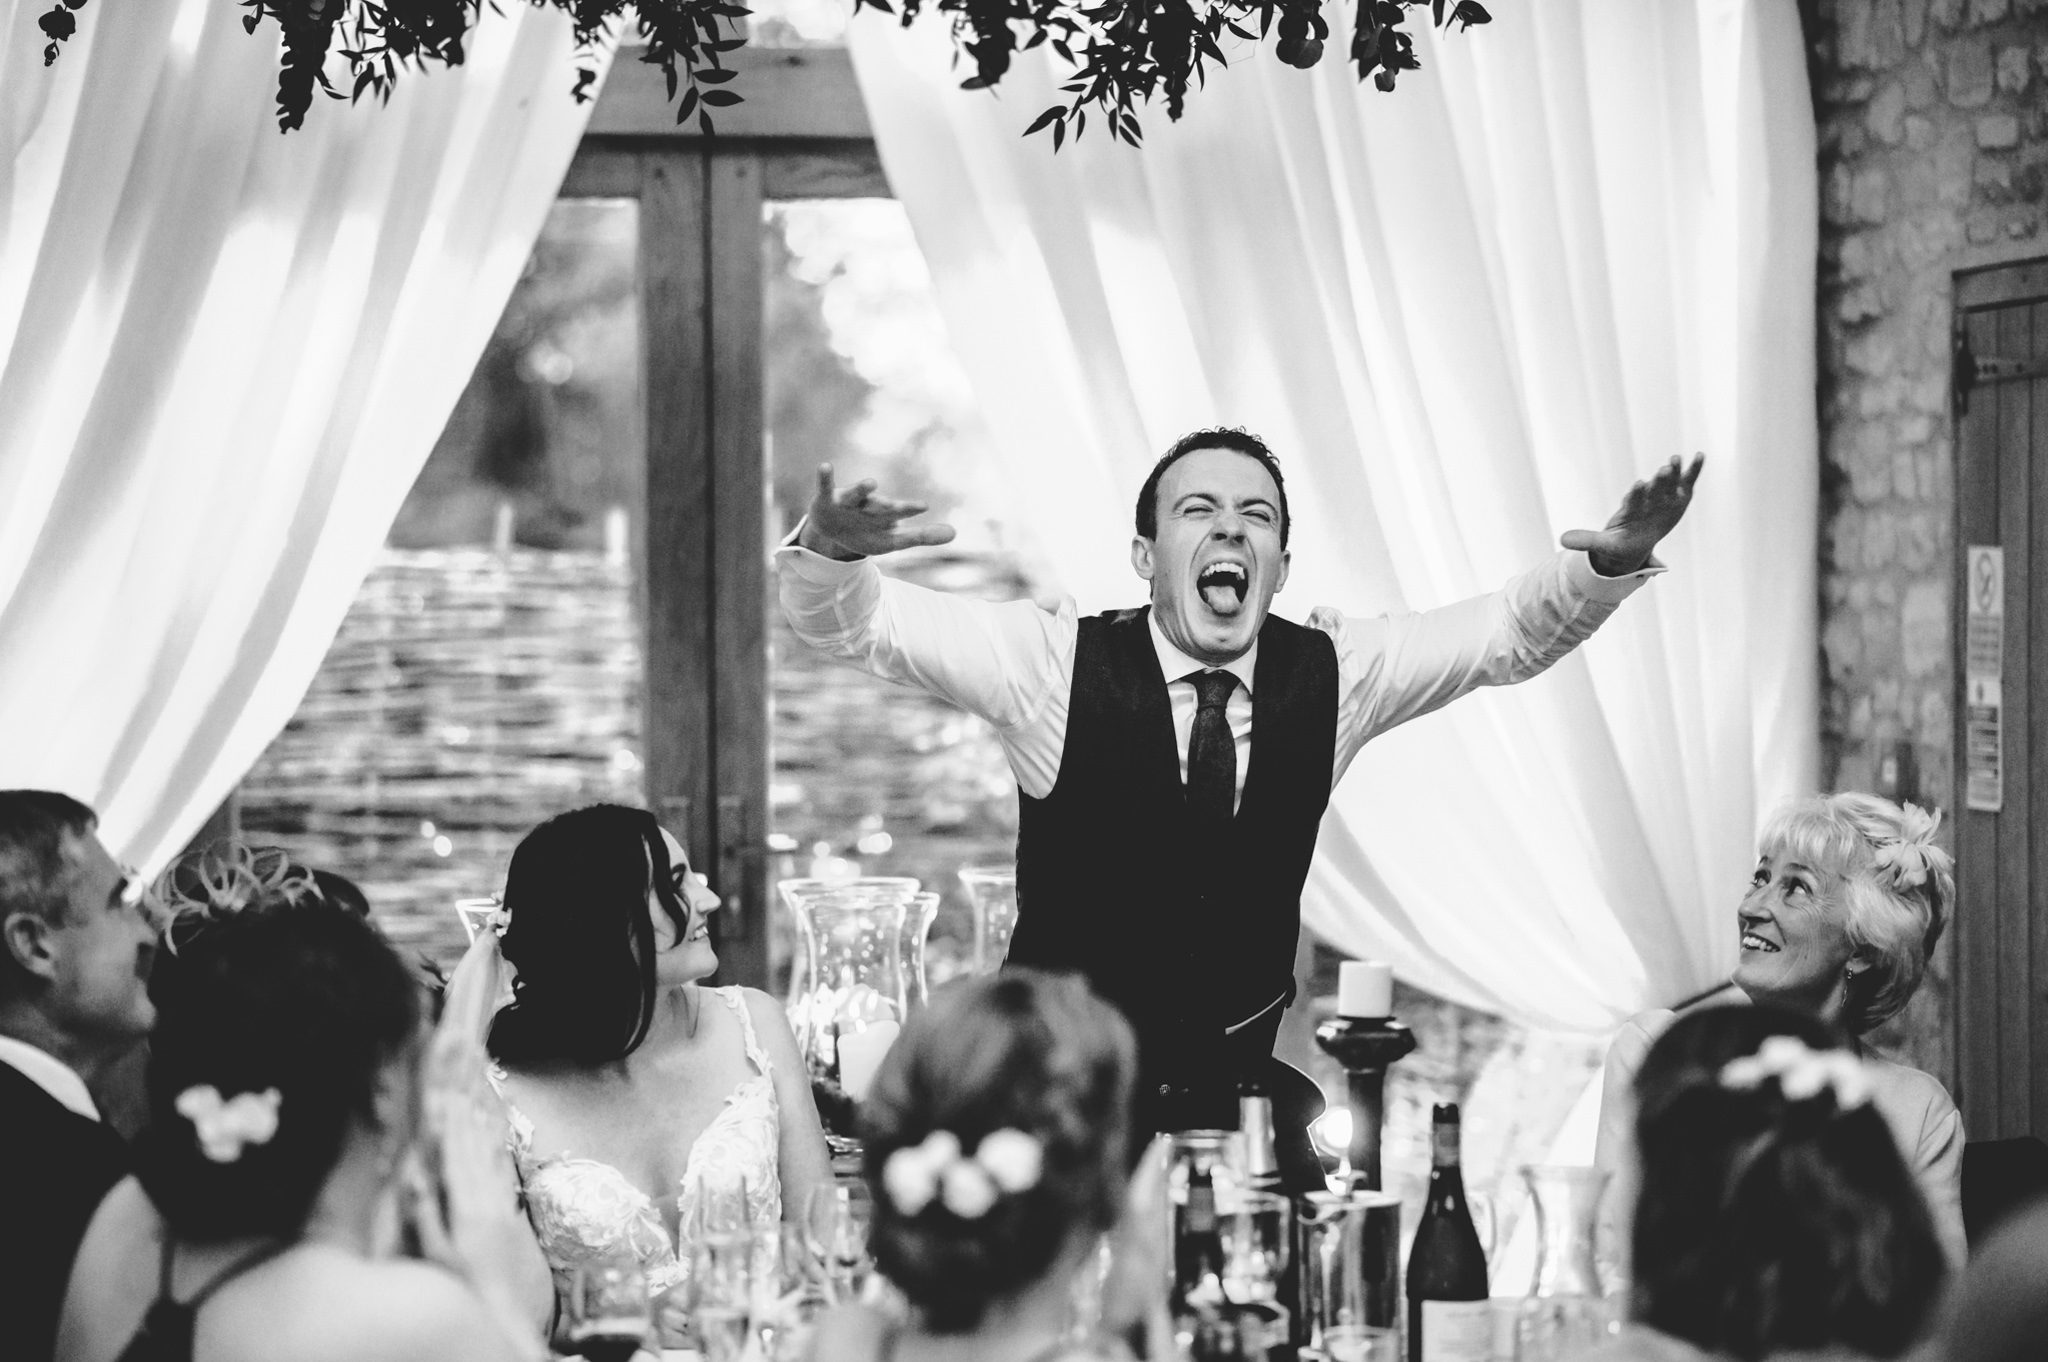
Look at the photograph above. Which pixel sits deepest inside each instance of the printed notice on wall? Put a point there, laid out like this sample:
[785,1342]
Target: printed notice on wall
[1983,667]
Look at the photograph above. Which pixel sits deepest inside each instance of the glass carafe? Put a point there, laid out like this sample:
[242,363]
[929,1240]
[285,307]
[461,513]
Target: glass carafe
[993,890]
[854,994]
[918,916]
[1565,1312]
[796,893]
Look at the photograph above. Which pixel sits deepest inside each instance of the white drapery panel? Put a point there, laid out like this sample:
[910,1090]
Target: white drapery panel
[1465,316]
[224,355]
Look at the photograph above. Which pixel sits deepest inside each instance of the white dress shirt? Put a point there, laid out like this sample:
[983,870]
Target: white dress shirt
[51,1074]
[1013,663]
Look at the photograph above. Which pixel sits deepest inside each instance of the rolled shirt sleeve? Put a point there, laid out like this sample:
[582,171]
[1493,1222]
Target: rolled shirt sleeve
[1010,663]
[1396,667]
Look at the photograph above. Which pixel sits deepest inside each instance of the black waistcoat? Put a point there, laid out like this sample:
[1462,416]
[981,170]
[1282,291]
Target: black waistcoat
[1186,934]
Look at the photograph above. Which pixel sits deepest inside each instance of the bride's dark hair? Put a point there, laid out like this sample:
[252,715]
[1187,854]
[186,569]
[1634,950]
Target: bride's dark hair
[581,938]
[1022,1050]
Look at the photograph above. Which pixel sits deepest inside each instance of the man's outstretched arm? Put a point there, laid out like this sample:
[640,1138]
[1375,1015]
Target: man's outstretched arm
[1008,663]
[1393,668]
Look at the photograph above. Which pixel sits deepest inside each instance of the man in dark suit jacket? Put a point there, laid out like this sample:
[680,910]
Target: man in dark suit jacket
[77,937]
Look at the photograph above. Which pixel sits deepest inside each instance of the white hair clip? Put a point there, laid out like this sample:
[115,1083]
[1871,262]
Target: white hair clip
[1006,1162]
[228,1126]
[1801,1072]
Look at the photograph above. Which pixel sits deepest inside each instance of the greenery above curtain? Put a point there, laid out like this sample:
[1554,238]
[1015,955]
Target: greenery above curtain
[1120,53]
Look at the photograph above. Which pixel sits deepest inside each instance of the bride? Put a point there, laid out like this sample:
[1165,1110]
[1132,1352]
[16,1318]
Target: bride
[634,1093]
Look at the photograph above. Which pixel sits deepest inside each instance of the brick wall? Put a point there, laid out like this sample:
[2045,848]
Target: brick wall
[1933,122]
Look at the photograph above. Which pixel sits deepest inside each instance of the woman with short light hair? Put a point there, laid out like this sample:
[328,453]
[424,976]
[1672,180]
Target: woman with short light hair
[1848,898]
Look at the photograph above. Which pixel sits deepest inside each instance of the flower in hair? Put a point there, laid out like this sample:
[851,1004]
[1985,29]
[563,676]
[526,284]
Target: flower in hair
[1004,1163]
[1912,856]
[1801,1072]
[227,1126]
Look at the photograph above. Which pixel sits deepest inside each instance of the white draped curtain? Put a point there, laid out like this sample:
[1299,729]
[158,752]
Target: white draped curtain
[224,355]
[1466,316]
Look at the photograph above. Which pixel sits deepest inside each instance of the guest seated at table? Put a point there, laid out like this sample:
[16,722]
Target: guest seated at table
[998,1152]
[1849,895]
[633,1091]
[77,941]
[288,1134]
[1776,1215]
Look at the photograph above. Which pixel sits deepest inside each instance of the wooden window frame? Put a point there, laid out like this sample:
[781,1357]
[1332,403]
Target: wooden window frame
[800,133]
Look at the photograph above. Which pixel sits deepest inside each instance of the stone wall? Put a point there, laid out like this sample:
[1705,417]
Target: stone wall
[1933,122]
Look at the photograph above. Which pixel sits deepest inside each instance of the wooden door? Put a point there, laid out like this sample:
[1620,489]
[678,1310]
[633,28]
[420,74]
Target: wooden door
[2001,786]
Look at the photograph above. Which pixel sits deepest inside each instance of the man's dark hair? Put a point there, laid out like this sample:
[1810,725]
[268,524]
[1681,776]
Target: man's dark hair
[1768,1224]
[1214,437]
[35,874]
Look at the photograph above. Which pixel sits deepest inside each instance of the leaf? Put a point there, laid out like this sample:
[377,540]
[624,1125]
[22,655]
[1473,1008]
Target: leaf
[1038,123]
[976,83]
[715,75]
[689,105]
[720,99]
[1059,135]
[1470,12]
[704,123]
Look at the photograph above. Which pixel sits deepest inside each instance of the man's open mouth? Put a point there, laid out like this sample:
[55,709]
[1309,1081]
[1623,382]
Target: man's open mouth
[1223,586]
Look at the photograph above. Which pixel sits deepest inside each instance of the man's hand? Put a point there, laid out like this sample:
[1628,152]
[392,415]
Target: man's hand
[1650,511]
[857,523]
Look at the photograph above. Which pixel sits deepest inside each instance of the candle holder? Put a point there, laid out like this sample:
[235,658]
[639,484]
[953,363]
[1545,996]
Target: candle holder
[1365,1046]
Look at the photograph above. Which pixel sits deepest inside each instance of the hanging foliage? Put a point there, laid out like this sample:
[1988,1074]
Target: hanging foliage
[1120,53]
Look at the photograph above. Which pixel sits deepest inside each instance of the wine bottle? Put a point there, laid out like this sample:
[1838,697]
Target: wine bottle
[1255,1120]
[1197,1247]
[1277,1302]
[1450,1315]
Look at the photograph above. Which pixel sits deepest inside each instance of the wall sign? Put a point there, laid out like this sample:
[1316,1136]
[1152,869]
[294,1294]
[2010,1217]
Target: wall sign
[1983,669]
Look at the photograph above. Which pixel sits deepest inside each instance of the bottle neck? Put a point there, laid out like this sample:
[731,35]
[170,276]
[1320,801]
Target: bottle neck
[1444,1146]
[1261,1162]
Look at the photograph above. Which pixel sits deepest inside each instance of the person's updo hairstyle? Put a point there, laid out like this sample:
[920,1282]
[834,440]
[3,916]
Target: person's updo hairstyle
[581,938]
[265,984]
[1020,1050]
[1767,1224]
[1897,888]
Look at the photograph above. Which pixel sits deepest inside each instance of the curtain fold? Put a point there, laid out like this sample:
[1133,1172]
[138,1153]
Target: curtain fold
[1466,316]
[224,354]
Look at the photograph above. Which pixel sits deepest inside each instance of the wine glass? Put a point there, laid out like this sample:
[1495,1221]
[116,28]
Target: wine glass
[721,1293]
[1257,1230]
[609,1314]
[836,1238]
[477,914]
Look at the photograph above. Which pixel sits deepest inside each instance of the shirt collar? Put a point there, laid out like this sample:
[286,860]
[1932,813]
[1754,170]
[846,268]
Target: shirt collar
[1175,664]
[51,1074]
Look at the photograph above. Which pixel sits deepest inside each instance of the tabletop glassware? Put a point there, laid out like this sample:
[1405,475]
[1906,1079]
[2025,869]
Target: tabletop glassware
[1566,1312]
[609,1316]
[836,1237]
[993,890]
[1257,1232]
[477,914]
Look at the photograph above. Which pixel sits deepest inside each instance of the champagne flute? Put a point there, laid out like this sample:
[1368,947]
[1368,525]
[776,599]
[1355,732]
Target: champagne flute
[837,1240]
[610,1315]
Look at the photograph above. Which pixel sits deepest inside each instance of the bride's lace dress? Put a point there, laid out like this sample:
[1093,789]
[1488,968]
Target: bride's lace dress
[583,1209]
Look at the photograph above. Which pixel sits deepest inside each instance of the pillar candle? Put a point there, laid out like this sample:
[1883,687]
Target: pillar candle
[1365,988]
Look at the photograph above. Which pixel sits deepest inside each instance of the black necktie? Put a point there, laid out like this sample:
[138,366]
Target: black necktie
[1212,753]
